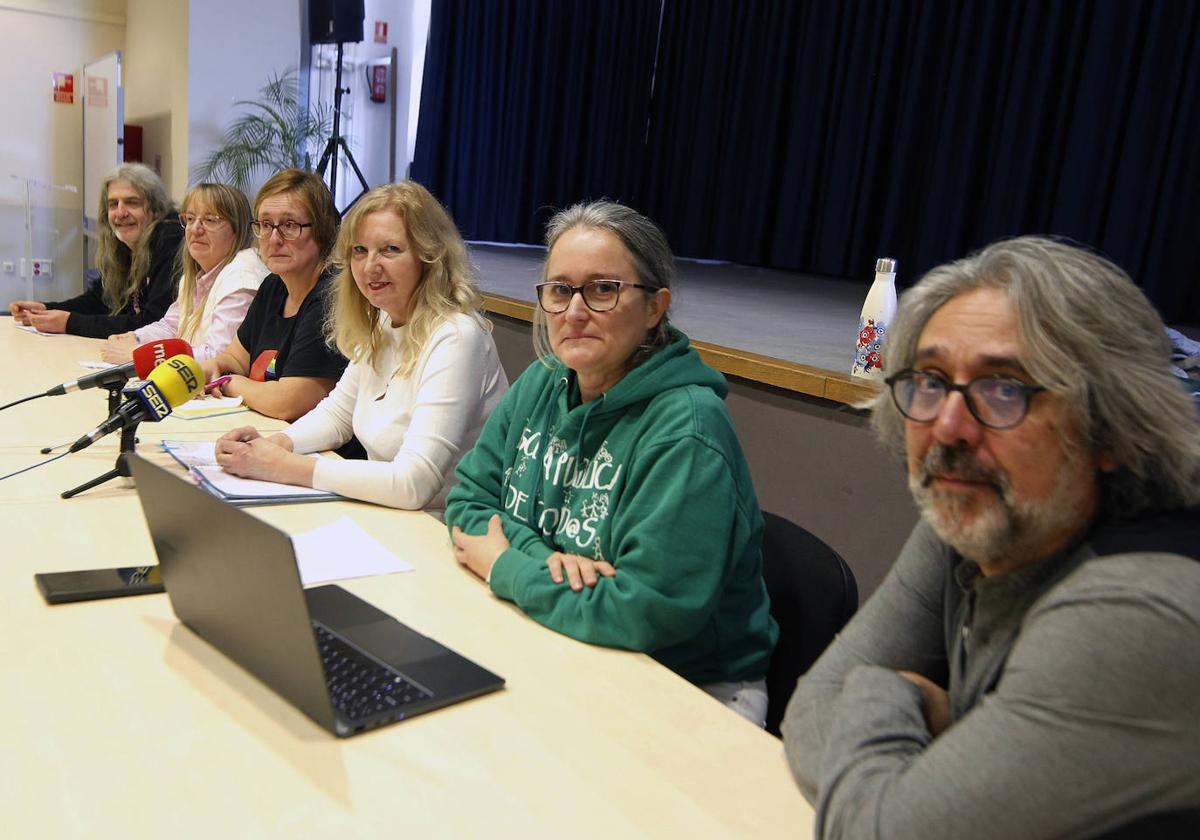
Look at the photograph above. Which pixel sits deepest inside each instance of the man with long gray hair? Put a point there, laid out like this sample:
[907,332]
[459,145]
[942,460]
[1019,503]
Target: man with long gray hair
[1029,666]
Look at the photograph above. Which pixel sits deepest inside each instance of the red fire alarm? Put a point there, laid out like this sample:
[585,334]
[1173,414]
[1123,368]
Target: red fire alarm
[64,88]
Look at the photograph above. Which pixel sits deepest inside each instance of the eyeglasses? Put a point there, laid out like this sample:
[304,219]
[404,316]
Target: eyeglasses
[288,230]
[206,222]
[998,402]
[598,295]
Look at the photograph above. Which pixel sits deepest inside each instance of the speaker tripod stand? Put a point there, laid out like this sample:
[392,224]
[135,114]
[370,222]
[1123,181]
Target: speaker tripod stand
[336,140]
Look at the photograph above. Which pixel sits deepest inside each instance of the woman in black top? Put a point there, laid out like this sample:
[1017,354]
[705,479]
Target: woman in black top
[137,249]
[279,361]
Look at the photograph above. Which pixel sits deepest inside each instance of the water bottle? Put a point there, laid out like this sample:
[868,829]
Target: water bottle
[877,312]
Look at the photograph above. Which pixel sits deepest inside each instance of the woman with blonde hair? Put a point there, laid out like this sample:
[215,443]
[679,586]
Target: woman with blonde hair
[137,239]
[221,274]
[423,374]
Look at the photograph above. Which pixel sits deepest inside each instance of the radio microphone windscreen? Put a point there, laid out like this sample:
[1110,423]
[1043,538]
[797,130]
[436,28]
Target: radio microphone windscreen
[168,386]
[145,357]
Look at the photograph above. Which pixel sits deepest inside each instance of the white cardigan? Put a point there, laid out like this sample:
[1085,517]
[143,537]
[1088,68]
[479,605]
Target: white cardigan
[245,271]
[415,428]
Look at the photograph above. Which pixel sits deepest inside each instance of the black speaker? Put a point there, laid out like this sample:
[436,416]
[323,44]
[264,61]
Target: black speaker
[335,21]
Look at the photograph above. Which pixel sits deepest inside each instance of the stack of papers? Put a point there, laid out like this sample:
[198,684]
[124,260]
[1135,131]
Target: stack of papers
[209,407]
[201,461]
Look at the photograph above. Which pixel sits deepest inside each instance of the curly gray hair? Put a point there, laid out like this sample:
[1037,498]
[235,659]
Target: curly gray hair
[1089,335]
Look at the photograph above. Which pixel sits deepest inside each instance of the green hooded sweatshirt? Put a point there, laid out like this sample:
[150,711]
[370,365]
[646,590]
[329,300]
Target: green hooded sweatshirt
[650,477]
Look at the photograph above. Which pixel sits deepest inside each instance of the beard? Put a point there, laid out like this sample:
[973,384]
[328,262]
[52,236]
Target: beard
[996,530]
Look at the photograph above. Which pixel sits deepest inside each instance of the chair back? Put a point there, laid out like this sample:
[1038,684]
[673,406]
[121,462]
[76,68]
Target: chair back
[813,594]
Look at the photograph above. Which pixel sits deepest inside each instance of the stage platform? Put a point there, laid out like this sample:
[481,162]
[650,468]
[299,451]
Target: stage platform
[798,318]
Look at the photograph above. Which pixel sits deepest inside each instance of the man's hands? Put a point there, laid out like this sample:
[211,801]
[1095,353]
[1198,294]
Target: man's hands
[935,703]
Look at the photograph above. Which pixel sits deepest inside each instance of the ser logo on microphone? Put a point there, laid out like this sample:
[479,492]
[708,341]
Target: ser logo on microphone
[185,371]
[154,401]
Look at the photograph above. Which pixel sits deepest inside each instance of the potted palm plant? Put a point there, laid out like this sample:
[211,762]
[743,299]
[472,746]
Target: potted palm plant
[273,133]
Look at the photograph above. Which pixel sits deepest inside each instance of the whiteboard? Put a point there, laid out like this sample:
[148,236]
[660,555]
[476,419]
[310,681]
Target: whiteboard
[103,129]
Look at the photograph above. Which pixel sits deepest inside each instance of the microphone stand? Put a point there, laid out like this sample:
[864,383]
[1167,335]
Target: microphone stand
[115,392]
[121,468]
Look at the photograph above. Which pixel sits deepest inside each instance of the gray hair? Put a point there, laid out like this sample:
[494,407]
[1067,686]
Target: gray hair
[647,247]
[1089,335]
[121,268]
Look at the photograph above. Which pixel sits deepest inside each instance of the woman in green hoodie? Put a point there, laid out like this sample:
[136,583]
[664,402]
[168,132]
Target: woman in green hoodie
[608,496]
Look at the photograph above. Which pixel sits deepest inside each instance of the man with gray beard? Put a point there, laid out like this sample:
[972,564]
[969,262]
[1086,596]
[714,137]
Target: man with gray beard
[1029,667]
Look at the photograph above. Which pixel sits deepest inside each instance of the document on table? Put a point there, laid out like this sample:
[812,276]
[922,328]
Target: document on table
[33,330]
[209,407]
[192,453]
[201,460]
[247,491]
[341,550]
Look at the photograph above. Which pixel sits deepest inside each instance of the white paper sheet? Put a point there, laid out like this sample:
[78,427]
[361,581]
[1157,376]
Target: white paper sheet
[208,407]
[238,487]
[343,550]
[33,330]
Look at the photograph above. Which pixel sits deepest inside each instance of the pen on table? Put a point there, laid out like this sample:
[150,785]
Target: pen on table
[216,383]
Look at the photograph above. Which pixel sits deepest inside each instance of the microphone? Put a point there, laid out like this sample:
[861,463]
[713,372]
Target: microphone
[145,357]
[167,386]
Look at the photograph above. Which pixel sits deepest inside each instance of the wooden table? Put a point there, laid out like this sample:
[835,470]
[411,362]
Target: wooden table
[122,722]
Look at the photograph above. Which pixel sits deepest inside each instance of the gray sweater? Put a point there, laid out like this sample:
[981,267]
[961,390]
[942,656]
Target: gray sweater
[1074,687]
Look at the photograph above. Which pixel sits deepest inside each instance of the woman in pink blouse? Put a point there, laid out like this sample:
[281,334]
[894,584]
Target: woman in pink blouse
[221,275]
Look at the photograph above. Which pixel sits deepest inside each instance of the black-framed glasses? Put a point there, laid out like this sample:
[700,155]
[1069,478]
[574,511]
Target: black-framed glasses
[288,230]
[598,295]
[998,402]
[186,220]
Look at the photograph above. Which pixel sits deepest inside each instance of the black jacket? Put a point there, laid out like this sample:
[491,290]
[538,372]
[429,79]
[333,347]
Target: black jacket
[90,315]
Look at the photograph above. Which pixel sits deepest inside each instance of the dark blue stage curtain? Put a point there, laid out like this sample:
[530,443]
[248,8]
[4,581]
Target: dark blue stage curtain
[530,106]
[815,135]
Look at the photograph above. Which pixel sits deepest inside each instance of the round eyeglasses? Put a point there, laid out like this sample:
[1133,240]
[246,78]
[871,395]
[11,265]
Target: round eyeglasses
[288,230]
[998,402]
[186,220]
[598,295]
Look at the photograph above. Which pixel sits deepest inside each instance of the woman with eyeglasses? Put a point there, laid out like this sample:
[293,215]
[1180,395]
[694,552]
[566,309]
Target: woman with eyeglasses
[608,496]
[279,362]
[137,239]
[221,274]
[424,373]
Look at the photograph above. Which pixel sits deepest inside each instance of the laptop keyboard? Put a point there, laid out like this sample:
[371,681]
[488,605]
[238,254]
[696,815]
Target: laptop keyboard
[358,686]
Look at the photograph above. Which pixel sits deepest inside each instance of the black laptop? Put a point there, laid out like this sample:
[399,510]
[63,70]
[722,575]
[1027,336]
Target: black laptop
[232,578]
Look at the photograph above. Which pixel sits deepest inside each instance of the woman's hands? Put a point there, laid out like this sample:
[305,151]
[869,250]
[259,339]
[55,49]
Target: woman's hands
[581,571]
[235,387]
[119,348]
[480,553]
[246,453]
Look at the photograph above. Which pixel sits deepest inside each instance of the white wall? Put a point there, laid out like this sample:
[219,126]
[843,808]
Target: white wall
[156,84]
[231,61]
[42,139]
[185,64]
[368,126]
